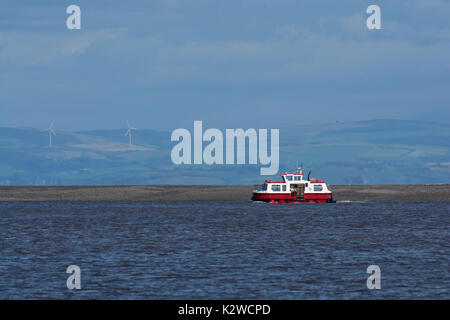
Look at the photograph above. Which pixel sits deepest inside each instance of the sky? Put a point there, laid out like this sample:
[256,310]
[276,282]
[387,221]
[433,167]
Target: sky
[232,64]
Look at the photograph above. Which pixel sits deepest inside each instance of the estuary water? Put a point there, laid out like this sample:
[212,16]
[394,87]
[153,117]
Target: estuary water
[224,250]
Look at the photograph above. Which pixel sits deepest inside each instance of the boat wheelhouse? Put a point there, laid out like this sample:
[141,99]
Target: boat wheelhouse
[294,188]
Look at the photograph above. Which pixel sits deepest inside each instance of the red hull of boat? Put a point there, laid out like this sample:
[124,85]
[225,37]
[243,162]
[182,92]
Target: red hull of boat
[287,198]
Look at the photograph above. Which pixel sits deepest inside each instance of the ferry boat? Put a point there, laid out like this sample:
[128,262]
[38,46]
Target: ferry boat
[294,188]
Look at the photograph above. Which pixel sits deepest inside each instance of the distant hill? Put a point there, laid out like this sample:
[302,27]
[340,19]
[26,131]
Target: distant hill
[372,152]
[365,152]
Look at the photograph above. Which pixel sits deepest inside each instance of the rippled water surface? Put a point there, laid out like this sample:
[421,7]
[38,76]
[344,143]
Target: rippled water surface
[224,250]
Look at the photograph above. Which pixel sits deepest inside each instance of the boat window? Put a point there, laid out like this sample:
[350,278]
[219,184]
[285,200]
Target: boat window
[284,187]
[306,185]
[276,187]
[289,178]
[264,186]
[317,187]
[297,178]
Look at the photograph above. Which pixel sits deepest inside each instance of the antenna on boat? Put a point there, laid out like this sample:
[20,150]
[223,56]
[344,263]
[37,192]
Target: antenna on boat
[309,173]
[299,169]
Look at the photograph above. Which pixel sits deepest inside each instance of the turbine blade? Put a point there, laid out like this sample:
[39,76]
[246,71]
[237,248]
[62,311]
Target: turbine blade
[128,124]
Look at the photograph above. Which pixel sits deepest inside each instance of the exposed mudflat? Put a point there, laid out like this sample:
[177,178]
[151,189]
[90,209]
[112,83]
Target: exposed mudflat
[198,193]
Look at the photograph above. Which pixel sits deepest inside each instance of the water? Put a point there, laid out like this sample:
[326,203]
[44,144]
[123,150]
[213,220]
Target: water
[224,250]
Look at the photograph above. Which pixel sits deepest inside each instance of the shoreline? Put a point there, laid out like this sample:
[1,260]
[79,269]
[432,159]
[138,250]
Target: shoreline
[439,192]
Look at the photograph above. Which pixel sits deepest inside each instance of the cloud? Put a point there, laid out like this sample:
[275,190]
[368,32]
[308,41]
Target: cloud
[309,57]
[81,44]
[33,48]
[170,4]
[290,31]
[395,28]
[441,4]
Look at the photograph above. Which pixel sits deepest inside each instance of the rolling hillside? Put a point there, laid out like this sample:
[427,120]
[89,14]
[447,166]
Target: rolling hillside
[366,152]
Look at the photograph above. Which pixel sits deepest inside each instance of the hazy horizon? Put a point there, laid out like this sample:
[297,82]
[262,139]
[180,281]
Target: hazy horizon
[206,125]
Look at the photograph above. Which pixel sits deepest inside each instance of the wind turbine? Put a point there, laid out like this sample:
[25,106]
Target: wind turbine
[128,133]
[50,133]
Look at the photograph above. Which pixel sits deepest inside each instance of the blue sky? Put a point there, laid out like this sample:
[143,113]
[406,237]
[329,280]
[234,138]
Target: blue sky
[252,63]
